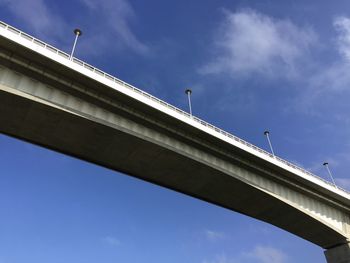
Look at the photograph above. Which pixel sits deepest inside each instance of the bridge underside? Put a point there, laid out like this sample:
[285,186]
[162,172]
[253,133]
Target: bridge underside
[29,118]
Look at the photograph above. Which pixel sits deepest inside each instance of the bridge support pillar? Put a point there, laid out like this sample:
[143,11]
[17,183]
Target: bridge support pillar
[338,254]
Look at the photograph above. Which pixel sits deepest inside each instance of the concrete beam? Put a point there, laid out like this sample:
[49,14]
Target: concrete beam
[339,254]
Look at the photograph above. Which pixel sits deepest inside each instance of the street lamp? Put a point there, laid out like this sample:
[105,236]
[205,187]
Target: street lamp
[189,92]
[267,133]
[325,164]
[77,33]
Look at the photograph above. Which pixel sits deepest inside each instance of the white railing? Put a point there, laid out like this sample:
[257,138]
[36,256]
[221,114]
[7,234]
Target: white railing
[161,102]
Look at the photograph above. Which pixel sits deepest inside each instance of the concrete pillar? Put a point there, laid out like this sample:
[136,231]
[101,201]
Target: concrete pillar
[338,254]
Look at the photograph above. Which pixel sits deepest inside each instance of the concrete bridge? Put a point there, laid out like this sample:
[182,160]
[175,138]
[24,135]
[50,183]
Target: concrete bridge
[71,107]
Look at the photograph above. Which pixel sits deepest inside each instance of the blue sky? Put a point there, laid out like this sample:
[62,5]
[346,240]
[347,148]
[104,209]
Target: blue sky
[252,65]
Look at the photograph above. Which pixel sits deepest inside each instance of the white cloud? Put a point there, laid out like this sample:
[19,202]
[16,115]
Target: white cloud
[342,25]
[221,259]
[36,15]
[260,254]
[335,77]
[214,235]
[112,241]
[114,16]
[263,254]
[251,42]
[107,25]
[328,82]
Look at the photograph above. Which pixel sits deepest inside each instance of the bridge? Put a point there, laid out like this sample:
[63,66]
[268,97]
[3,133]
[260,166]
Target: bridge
[69,106]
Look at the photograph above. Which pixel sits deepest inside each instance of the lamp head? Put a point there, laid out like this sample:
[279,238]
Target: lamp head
[188,92]
[77,32]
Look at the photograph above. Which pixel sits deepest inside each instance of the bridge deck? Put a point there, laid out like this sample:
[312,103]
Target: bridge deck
[84,68]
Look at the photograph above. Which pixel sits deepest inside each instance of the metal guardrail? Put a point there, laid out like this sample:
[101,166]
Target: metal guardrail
[161,102]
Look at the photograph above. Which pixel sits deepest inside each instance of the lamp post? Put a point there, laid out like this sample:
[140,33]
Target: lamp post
[267,133]
[189,92]
[325,164]
[77,33]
